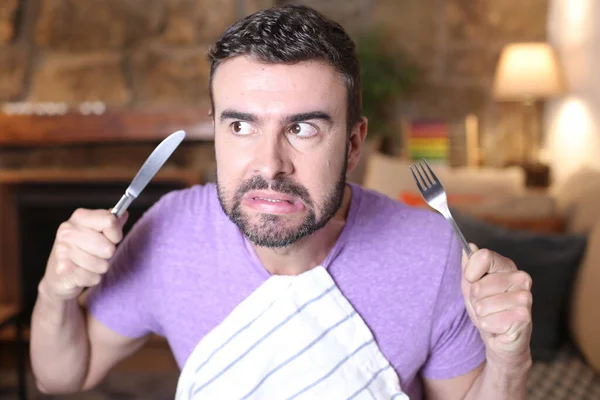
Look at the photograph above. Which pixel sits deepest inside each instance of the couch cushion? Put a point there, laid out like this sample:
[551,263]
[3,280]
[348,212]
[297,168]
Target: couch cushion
[391,176]
[551,260]
[585,313]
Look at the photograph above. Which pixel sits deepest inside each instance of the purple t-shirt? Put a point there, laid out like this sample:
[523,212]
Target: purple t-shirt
[185,266]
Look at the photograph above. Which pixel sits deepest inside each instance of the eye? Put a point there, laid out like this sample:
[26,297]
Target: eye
[303,130]
[241,128]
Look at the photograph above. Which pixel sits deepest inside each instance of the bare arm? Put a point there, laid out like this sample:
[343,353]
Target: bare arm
[70,351]
[500,384]
[64,339]
[484,382]
[453,388]
[498,300]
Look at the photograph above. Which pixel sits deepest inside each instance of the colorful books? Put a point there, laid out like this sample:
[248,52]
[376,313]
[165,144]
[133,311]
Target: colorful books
[428,139]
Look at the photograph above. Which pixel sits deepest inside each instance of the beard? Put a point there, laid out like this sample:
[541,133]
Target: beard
[270,230]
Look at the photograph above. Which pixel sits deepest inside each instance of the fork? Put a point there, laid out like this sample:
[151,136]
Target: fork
[434,194]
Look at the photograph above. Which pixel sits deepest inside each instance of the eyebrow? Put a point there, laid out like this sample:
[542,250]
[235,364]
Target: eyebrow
[249,117]
[308,116]
[242,116]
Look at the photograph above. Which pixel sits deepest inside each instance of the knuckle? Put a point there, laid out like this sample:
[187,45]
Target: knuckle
[479,307]
[486,255]
[62,250]
[63,267]
[523,314]
[525,298]
[79,214]
[65,230]
[522,275]
[484,324]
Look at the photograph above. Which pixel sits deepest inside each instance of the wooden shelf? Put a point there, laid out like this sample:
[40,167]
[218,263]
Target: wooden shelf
[39,175]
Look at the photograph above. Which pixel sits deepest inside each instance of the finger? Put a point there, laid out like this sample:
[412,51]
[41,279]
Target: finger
[100,221]
[485,261]
[502,302]
[115,232]
[88,240]
[510,321]
[64,264]
[465,257]
[89,262]
[82,278]
[493,284]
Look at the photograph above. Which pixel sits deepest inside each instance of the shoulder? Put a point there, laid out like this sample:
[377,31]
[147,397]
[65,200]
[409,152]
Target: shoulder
[189,200]
[385,217]
[402,242]
[184,203]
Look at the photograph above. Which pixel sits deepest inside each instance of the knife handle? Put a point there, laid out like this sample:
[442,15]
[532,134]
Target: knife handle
[123,204]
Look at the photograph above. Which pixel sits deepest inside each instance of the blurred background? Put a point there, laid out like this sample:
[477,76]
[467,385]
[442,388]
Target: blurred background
[500,96]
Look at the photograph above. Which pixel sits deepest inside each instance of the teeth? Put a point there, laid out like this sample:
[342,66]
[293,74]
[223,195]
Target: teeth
[272,200]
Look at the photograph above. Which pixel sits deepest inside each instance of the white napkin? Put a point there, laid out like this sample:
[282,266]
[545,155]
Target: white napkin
[295,337]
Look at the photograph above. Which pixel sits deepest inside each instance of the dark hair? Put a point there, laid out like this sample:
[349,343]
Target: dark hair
[288,35]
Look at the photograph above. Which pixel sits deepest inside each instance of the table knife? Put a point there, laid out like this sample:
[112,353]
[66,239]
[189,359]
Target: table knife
[153,163]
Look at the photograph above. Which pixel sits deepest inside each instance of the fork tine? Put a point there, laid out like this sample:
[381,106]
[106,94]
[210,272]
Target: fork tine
[421,189]
[434,178]
[424,177]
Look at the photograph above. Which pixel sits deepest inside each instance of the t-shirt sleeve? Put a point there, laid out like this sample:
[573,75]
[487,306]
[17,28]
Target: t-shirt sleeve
[456,345]
[123,301]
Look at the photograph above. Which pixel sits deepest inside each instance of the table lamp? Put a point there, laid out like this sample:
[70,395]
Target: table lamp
[528,73]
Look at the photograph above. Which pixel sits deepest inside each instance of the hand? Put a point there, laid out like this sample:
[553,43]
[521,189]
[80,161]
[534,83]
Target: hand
[82,249]
[498,299]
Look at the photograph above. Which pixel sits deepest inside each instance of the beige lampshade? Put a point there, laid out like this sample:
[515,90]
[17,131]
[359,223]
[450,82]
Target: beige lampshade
[528,71]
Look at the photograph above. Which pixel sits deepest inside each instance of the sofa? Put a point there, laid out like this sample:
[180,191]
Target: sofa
[563,259]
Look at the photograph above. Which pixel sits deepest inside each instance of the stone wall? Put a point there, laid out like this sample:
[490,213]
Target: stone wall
[150,53]
[457,44]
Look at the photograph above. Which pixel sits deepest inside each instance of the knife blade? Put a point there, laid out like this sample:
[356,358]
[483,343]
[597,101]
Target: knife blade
[151,166]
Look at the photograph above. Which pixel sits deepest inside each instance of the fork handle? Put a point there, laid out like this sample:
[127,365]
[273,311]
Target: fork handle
[461,237]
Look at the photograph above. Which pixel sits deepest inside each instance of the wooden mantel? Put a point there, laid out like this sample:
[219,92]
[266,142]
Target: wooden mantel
[113,125]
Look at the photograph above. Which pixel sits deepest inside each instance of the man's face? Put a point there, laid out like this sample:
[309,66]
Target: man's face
[281,147]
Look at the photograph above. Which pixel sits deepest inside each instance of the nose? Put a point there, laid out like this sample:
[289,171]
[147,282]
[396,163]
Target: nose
[272,157]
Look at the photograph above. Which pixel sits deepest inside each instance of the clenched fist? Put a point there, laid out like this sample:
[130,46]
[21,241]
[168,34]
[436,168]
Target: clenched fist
[498,299]
[82,249]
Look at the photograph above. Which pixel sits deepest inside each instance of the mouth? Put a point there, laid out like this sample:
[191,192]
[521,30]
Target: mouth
[272,202]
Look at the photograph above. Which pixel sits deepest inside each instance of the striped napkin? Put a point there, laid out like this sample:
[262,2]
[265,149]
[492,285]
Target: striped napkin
[295,337]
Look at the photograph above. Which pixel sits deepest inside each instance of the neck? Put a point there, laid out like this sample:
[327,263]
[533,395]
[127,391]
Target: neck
[310,251]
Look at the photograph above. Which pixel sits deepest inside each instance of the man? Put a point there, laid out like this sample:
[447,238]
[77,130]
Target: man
[285,92]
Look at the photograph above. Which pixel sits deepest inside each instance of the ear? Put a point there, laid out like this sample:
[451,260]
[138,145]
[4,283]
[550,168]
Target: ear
[357,139]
